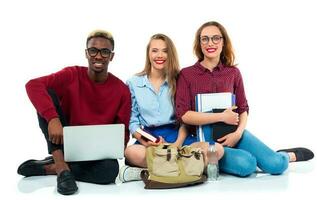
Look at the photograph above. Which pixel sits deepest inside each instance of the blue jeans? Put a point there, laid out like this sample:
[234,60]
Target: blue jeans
[249,153]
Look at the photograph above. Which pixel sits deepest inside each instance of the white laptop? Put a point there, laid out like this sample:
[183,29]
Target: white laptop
[93,142]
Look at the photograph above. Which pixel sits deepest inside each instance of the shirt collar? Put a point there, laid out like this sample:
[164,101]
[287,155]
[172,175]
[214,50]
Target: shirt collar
[202,69]
[145,82]
[142,81]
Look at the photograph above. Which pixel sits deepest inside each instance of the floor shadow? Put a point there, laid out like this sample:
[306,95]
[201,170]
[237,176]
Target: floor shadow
[31,184]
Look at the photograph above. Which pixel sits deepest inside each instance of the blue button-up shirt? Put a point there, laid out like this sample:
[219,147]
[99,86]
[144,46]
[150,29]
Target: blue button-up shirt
[148,107]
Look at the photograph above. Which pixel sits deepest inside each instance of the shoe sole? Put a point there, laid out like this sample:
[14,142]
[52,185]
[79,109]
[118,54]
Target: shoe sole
[69,192]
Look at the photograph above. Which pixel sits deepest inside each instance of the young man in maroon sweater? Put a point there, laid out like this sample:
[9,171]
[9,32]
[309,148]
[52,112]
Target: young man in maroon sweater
[79,96]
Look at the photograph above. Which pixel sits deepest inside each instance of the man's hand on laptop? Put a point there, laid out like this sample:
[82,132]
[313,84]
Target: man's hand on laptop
[55,131]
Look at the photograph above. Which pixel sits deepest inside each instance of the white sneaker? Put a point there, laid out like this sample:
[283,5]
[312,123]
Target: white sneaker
[128,173]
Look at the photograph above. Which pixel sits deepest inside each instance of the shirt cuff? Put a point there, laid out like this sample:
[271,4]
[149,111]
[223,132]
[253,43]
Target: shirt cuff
[242,110]
[133,128]
[179,115]
[49,114]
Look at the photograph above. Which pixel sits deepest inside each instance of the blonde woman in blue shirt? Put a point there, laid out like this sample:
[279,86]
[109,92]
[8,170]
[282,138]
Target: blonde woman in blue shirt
[152,93]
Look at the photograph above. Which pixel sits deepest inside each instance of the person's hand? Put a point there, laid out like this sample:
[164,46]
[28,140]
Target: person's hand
[230,117]
[55,131]
[147,143]
[139,138]
[230,140]
[161,141]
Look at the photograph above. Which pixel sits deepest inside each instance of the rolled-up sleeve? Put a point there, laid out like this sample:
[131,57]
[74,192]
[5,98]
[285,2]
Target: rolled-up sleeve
[241,100]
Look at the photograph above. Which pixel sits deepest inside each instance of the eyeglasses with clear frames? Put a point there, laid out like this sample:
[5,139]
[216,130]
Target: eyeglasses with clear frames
[93,51]
[216,39]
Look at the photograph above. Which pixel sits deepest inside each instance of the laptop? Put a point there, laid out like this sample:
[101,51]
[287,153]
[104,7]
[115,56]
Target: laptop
[93,142]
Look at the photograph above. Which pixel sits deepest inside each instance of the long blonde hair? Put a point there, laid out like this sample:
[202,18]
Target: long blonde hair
[227,55]
[172,69]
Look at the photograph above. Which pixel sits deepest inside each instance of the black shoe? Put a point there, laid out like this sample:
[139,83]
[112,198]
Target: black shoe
[66,183]
[302,154]
[34,167]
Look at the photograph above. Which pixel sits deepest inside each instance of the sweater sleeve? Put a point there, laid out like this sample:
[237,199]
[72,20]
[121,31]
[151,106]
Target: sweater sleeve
[37,90]
[124,112]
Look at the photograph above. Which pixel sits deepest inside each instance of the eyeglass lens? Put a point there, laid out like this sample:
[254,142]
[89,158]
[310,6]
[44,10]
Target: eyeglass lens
[93,51]
[215,39]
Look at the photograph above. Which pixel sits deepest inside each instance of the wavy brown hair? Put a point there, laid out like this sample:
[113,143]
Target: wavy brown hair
[172,69]
[227,55]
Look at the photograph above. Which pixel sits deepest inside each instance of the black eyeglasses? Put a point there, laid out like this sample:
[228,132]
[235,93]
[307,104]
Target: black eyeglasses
[93,51]
[216,39]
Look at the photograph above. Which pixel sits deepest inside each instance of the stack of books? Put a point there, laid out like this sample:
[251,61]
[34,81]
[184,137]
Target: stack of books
[215,103]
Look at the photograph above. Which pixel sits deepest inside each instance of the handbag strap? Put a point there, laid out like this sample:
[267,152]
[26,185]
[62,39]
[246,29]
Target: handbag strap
[169,154]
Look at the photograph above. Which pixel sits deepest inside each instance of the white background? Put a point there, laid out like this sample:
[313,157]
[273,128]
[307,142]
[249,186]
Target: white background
[275,44]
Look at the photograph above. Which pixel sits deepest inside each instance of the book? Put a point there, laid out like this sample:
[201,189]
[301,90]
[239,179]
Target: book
[220,129]
[214,102]
[147,136]
[207,101]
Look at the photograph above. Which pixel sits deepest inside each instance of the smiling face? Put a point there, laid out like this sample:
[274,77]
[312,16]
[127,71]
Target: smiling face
[96,53]
[211,42]
[158,54]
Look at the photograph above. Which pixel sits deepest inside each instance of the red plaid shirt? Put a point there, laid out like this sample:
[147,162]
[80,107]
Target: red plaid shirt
[197,79]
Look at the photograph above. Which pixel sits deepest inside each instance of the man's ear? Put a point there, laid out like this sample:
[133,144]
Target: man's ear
[86,53]
[111,56]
